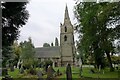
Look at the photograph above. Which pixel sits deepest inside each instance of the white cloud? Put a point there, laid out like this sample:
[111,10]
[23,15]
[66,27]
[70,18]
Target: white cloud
[44,21]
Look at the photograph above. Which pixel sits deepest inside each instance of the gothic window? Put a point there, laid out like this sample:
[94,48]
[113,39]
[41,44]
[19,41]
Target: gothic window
[65,38]
[65,29]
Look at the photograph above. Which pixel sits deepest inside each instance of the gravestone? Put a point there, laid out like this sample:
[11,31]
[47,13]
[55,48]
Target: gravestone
[4,71]
[21,70]
[68,72]
[12,68]
[0,71]
[58,72]
[80,71]
[39,74]
[19,66]
[7,66]
[50,72]
[92,71]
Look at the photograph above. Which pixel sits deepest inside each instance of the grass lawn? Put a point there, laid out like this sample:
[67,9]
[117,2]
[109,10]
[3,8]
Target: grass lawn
[107,73]
[75,73]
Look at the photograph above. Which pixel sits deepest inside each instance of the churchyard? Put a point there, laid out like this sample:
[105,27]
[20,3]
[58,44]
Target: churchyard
[98,45]
[86,73]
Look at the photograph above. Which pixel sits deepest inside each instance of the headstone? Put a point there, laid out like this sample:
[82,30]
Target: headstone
[7,66]
[21,70]
[4,71]
[92,71]
[19,66]
[68,72]
[81,71]
[0,71]
[39,74]
[11,68]
[117,68]
[99,68]
[58,72]
[49,72]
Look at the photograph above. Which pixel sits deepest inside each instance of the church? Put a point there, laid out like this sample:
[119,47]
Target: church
[65,53]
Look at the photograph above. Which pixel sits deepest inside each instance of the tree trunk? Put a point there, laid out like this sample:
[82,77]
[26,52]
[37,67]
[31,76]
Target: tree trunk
[110,62]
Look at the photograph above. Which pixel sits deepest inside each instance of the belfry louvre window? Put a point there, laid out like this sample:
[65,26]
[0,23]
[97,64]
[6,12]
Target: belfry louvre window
[65,29]
[65,38]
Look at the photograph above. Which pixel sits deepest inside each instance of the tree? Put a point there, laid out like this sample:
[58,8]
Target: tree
[28,53]
[14,16]
[16,51]
[52,44]
[95,28]
[56,42]
[46,45]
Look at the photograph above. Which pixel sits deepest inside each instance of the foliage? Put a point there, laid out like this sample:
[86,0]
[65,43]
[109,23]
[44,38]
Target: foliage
[46,45]
[16,49]
[56,42]
[28,53]
[52,44]
[14,16]
[7,54]
[115,59]
[98,26]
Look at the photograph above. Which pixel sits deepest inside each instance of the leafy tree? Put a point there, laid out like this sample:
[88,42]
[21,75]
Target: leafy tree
[28,53]
[95,28]
[56,42]
[46,45]
[14,16]
[17,51]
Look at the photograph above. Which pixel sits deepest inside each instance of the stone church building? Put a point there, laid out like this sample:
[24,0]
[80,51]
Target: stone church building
[63,54]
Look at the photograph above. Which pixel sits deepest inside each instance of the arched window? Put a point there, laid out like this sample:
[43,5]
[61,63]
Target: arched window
[65,38]
[65,29]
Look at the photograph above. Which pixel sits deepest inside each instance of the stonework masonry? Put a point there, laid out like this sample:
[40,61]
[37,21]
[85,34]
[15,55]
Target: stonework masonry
[63,54]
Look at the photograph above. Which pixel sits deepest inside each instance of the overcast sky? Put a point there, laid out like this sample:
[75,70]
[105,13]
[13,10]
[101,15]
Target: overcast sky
[44,22]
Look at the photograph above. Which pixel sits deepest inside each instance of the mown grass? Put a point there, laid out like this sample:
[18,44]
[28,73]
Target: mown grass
[106,74]
[75,73]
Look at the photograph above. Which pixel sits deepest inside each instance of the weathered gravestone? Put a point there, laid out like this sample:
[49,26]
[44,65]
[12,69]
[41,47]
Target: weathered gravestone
[19,66]
[11,68]
[50,72]
[39,74]
[0,71]
[4,71]
[68,72]
[80,71]
[58,72]
[92,71]
[21,70]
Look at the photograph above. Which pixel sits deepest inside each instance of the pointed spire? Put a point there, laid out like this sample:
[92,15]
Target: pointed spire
[66,16]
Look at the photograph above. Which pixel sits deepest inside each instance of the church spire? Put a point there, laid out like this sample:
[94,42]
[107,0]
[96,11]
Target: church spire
[66,15]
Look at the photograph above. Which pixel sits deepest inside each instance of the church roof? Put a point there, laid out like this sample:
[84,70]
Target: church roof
[48,52]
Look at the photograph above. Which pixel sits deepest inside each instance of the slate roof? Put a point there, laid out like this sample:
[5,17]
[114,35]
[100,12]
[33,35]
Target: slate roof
[48,52]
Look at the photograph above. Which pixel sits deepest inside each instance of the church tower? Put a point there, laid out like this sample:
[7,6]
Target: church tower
[67,40]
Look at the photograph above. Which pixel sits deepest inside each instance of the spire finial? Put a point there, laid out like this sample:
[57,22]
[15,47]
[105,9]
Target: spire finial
[66,13]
